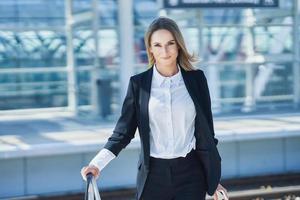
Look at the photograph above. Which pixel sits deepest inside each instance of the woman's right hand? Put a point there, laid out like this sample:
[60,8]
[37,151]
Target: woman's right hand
[90,169]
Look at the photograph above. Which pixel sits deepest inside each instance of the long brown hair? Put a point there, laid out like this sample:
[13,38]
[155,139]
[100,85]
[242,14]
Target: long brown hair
[184,58]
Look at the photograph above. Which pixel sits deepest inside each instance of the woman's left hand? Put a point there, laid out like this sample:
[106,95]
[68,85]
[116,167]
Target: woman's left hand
[221,189]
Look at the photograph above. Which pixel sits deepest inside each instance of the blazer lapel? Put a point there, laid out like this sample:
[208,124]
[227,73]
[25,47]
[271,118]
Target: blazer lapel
[200,122]
[144,112]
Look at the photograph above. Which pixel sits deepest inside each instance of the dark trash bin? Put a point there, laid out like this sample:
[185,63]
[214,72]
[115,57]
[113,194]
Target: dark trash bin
[105,96]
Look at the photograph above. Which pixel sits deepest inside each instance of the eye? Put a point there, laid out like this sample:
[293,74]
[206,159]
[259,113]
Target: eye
[171,43]
[157,45]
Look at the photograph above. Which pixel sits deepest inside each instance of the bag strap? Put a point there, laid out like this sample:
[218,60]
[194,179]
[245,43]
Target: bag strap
[91,190]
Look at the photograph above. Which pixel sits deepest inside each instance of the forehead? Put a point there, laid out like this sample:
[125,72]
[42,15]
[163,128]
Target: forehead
[161,36]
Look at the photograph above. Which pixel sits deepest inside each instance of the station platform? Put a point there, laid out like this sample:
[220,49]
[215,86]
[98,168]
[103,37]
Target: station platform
[43,153]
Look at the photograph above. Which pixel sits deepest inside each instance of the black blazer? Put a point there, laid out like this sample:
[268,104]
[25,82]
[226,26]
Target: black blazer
[134,115]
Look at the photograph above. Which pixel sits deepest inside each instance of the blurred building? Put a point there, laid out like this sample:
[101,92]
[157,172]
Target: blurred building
[76,57]
[250,55]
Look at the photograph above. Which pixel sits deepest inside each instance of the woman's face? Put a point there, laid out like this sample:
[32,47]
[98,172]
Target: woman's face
[164,47]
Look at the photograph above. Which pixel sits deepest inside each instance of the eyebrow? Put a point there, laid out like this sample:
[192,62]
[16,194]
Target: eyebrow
[167,42]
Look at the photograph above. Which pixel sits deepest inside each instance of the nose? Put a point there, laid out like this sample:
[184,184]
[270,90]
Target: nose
[165,51]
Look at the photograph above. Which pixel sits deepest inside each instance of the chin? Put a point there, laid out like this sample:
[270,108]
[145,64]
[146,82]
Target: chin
[167,62]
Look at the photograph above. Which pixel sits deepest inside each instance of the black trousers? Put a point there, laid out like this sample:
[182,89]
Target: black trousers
[175,179]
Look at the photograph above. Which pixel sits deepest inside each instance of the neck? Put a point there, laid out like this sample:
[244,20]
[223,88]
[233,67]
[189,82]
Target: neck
[167,70]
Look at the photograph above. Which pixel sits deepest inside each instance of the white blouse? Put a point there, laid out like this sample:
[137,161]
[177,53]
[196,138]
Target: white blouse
[171,119]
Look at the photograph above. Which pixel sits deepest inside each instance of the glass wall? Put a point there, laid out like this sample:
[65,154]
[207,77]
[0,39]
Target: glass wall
[32,47]
[107,56]
[33,51]
[248,55]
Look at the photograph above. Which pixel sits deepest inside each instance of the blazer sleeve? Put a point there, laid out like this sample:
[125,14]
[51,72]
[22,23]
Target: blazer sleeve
[126,125]
[207,107]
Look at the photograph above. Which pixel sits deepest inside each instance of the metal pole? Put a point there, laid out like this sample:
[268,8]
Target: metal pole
[126,27]
[296,54]
[71,71]
[249,102]
[96,68]
[200,32]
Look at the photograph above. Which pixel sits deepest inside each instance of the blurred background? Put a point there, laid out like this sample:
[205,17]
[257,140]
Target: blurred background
[64,71]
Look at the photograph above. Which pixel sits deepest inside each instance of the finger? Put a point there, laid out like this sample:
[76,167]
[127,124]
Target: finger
[82,170]
[89,170]
[93,170]
[83,175]
[85,171]
[215,196]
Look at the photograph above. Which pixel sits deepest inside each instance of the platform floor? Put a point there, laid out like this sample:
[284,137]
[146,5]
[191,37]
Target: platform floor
[32,135]
[55,146]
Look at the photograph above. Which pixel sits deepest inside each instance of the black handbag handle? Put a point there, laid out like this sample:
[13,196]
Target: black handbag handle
[89,178]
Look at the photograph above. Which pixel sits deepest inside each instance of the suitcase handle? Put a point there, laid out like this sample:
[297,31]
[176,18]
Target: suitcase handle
[91,191]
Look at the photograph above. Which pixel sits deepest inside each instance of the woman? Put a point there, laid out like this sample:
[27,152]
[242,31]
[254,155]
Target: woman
[170,105]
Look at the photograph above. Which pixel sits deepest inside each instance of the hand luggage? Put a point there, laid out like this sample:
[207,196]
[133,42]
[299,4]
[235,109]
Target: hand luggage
[91,192]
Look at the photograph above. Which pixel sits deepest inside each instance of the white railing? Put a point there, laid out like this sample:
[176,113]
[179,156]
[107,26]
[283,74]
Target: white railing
[62,85]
